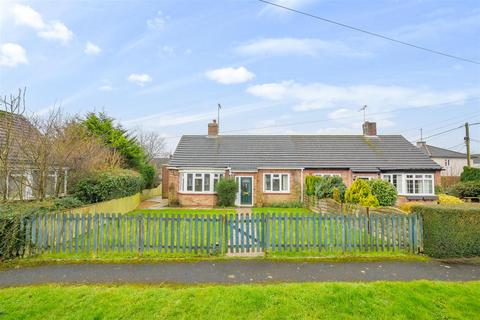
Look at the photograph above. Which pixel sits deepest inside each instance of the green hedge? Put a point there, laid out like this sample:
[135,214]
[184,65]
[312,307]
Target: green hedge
[470,174]
[450,231]
[105,186]
[12,236]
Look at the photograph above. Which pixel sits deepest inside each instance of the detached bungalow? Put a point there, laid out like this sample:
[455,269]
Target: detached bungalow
[271,168]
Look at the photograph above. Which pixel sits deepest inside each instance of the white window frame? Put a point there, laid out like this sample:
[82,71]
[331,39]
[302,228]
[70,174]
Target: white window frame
[272,177]
[213,176]
[326,174]
[447,162]
[368,178]
[430,177]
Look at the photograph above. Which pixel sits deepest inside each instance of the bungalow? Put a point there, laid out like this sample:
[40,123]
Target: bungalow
[20,178]
[271,168]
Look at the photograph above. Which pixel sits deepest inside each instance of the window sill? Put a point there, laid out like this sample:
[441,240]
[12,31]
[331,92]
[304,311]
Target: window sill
[276,192]
[193,192]
[419,196]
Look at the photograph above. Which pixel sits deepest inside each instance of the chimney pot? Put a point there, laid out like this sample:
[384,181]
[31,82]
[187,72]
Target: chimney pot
[213,128]
[369,128]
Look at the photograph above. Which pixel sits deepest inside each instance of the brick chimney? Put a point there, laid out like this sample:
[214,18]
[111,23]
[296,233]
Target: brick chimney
[213,128]
[369,129]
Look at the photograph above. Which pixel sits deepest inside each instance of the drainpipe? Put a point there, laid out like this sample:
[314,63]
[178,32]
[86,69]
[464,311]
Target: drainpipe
[301,184]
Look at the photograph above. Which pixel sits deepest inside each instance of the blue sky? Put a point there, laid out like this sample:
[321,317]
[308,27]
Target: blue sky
[164,65]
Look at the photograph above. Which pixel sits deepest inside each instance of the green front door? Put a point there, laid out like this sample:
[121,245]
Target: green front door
[246,191]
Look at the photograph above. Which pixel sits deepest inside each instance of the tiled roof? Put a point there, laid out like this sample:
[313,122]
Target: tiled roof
[16,126]
[356,152]
[436,152]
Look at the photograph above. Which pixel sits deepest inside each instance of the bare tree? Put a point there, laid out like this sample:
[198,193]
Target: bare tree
[152,143]
[11,112]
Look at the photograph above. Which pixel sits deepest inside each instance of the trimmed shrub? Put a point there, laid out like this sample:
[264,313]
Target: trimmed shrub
[470,174]
[446,199]
[450,231]
[108,185]
[324,187]
[466,189]
[12,236]
[384,191]
[226,192]
[360,193]
[407,206]
[310,185]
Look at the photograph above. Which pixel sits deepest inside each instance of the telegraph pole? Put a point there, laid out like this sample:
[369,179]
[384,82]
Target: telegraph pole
[467,142]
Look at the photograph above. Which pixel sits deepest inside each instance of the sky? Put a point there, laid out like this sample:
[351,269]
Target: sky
[164,66]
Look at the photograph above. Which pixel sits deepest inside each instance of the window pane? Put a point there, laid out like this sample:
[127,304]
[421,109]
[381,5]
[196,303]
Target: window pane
[198,184]
[284,182]
[276,183]
[418,186]
[410,186]
[190,182]
[206,182]
[428,186]
[268,182]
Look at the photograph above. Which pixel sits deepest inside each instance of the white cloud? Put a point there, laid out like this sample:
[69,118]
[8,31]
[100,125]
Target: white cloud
[140,79]
[158,22]
[313,96]
[25,15]
[12,54]
[92,49]
[56,30]
[296,46]
[52,30]
[230,75]
[106,87]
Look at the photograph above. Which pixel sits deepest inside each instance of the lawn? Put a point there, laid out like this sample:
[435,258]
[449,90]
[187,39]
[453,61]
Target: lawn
[217,211]
[377,300]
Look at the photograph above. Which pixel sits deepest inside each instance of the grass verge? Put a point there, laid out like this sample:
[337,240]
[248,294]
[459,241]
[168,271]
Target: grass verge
[377,300]
[136,258]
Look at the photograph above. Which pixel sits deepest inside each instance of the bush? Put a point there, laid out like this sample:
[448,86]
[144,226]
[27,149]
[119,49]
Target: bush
[466,189]
[446,199]
[324,187]
[12,236]
[108,185]
[450,230]
[310,185]
[361,193]
[148,173]
[407,206]
[470,174]
[384,191]
[67,203]
[226,192]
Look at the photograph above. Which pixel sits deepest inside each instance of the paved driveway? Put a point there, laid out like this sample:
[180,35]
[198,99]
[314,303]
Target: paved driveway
[237,271]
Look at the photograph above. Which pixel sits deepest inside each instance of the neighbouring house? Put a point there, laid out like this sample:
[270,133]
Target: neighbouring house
[159,163]
[452,162]
[19,177]
[272,168]
[476,160]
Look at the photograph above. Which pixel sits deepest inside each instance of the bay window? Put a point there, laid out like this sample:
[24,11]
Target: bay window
[411,183]
[276,182]
[199,182]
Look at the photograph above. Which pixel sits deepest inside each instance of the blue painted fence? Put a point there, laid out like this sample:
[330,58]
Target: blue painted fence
[219,234]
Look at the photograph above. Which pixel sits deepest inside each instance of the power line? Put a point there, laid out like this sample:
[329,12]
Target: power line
[339,118]
[371,33]
[443,132]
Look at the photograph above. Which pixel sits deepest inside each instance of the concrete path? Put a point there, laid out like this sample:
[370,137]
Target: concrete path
[237,271]
[153,203]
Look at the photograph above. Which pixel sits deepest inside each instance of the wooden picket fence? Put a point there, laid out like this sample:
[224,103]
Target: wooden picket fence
[220,234]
